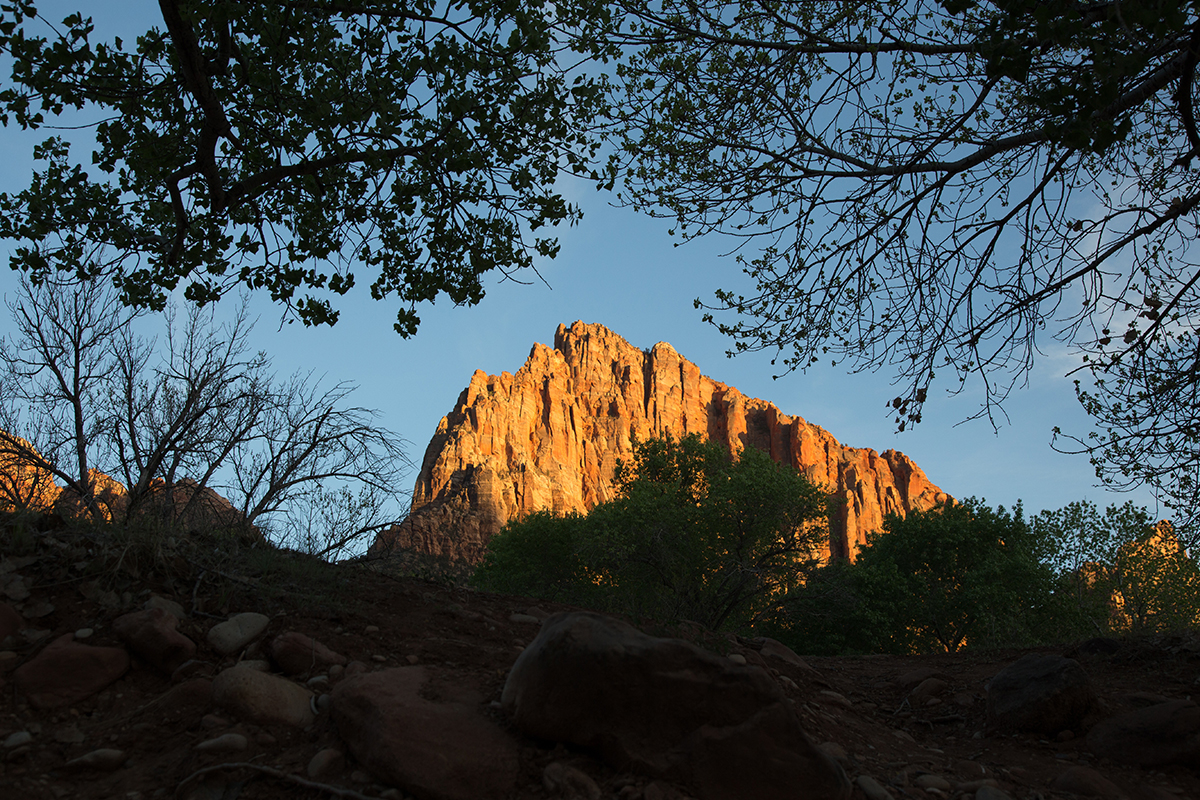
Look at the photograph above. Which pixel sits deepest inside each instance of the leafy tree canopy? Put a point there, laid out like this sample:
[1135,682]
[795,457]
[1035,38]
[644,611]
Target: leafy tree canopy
[955,575]
[940,188]
[694,534]
[274,145]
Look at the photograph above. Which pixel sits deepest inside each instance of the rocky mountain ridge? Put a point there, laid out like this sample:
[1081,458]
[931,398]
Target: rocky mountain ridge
[550,435]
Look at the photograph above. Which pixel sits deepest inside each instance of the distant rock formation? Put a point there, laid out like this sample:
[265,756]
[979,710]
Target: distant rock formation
[26,484]
[550,436]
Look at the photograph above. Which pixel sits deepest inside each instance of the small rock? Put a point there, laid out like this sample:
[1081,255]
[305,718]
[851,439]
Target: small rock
[228,743]
[263,698]
[18,739]
[297,654]
[152,635]
[371,629]
[930,781]
[14,586]
[379,658]
[836,752]
[928,688]
[84,633]
[67,671]
[413,659]
[836,698]
[336,671]
[170,606]
[776,649]
[190,669]
[537,612]
[738,658]
[104,759]
[529,618]
[236,632]
[326,763]
[318,683]
[42,608]
[872,789]
[570,783]
[911,680]
[1086,782]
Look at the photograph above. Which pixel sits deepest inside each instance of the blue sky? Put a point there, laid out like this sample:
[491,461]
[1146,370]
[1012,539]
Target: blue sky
[622,270]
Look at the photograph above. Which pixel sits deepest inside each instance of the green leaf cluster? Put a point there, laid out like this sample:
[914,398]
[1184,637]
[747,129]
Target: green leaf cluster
[281,146]
[694,534]
[966,575]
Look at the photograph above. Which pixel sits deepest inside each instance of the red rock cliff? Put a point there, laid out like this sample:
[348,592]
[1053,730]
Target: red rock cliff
[550,437]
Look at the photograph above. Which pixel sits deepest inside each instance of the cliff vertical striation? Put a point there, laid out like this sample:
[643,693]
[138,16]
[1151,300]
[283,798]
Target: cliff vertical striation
[550,435]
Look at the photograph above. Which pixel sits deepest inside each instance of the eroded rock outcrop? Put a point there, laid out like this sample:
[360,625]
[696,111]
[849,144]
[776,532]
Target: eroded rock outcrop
[550,436]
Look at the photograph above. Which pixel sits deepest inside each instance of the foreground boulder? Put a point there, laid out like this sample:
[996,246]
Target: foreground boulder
[433,750]
[1040,693]
[263,698]
[666,708]
[67,671]
[152,635]
[1167,733]
[297,654]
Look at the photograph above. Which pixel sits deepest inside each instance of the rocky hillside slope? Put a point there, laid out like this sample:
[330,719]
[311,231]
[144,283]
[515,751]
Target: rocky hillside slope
[183,683]
[550,435]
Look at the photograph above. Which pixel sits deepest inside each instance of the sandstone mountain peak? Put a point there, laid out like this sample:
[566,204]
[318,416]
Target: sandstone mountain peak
[550,435]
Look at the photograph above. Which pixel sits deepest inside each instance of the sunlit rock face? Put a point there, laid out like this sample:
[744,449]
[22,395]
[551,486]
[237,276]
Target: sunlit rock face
[550,436]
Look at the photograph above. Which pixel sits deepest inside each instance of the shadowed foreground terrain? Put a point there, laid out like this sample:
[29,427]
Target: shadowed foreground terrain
[168,714]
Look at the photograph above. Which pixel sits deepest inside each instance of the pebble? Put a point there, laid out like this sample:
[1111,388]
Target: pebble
[738,659]
[835,698]
[17,739]
[326,763]
[872,788]
[83,633]
[105,759]
[336,671]
[166,605]
[379,658]
[564,780]
[236,632]
[835,751]
[318,682]
[371,629]
[228,743]
[933,782]
[413,659]
[41,608]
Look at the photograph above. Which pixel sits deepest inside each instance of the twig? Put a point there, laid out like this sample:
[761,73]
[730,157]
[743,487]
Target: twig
[274,773]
